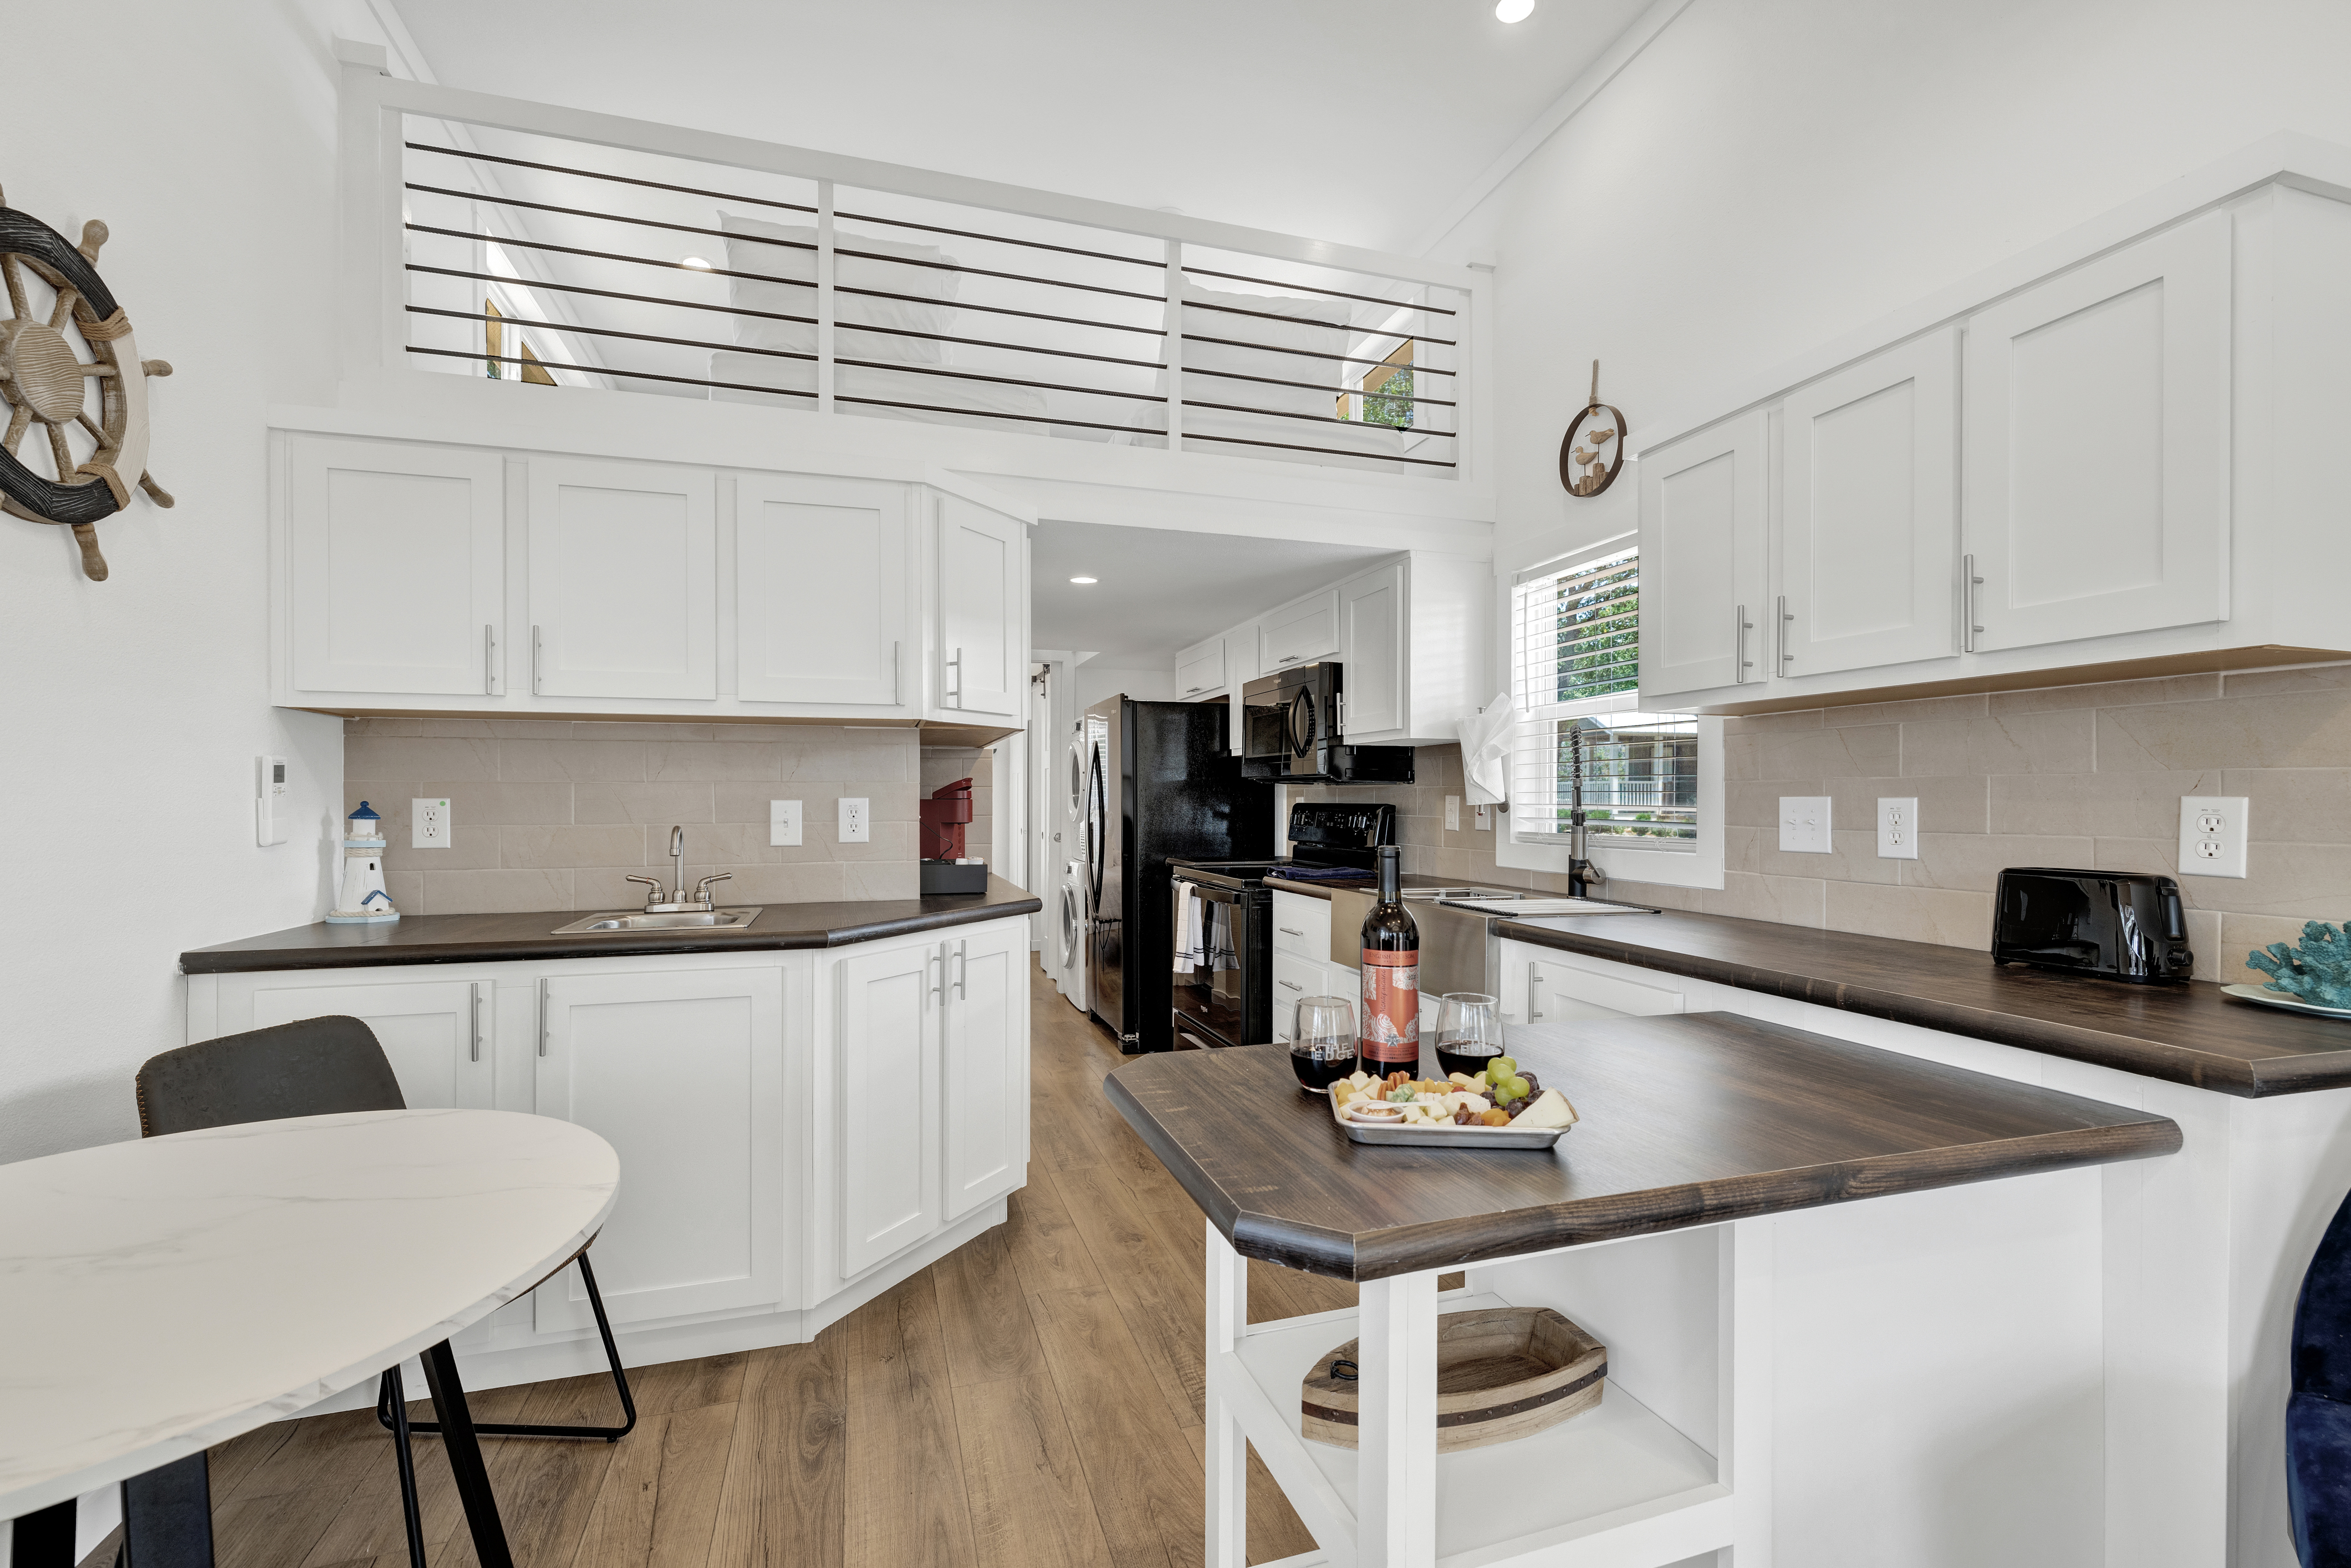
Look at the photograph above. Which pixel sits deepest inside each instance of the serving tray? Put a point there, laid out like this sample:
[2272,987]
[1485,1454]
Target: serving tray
[1450,1137]
[2270,998]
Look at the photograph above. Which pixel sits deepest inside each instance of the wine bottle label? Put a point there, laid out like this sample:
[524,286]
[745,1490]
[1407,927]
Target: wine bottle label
[1391,1013]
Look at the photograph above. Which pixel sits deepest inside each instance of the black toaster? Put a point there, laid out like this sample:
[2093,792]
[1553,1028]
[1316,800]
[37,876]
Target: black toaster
[2119,925]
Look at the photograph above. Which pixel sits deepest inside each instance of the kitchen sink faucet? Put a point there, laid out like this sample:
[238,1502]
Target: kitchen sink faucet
[677,902]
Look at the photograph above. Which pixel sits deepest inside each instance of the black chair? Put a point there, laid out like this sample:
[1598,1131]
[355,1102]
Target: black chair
[2318,1409]
[318,1067]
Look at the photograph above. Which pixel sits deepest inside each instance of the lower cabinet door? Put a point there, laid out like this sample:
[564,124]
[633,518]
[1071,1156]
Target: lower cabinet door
[985,1051]
[1558,993]
[1296,978]
[435,1033]
[878,1086]
[683,1073]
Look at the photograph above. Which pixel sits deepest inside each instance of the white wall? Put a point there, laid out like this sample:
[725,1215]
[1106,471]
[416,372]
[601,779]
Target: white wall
[137,704]
[1764,178]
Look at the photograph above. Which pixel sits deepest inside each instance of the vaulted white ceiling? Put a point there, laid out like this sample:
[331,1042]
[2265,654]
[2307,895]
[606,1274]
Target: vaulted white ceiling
[1358,121]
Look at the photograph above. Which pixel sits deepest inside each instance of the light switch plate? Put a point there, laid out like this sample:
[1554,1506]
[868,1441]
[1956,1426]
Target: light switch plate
[1898,827]
[1804,825]
[428,823]
[855,820]
[783,822]
[2212,833]
[1453,813]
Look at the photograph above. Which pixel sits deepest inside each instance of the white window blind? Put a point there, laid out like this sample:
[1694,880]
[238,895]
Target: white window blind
[1575,673]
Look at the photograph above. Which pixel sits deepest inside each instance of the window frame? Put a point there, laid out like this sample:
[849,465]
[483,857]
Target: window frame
[1700,865]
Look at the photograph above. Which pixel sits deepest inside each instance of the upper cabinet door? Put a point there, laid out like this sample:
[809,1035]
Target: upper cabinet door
[623,580]
[2097,419]
[1371,653]
[983,624]
[1869,511]
[822,582]
[1200,669]
[397,566]
[1299,633]
[1703,620]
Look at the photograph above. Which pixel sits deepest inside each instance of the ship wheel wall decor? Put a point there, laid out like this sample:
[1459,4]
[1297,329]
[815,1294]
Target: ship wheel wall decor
[44,381]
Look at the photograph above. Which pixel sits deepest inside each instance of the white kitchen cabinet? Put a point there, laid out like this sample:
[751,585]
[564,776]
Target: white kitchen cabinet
[439,1035]
[2099,432]
[1295,979]
[1868,489]
[878,1152]
[982,594]
[396,567]
[1301,925]
[1298,633]
[824,591]
[1371,653]
[1541,985]
[1412,648]
[1703,520]
[682,1073]
[1200,670]
[623,580]
[984,1052]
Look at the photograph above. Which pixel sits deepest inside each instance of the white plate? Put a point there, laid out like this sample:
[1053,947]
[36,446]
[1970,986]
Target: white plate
[2268,998]
[1425,1135]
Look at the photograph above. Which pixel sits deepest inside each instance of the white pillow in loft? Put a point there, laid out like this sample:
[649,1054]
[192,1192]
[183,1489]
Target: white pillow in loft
[791,256]
[1281,321]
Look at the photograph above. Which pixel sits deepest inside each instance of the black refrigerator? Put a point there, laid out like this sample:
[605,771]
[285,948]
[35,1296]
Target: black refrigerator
[1160,782]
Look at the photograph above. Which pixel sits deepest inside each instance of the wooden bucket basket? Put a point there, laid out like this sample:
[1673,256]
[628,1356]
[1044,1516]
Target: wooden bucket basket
[1502,1373]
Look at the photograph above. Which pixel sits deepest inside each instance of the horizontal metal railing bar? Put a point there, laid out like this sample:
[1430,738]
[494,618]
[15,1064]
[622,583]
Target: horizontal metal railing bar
[1292,321]
[784,316]
[992,414]
[519,322]
[1317,288]
[1321,387]
[573,212]
[615,179]
[1313,354]
[1330,451]
[602,371]
[1316,418]
[997,309]
[1156,263]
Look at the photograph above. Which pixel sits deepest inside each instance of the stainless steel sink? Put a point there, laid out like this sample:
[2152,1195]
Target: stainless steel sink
[620,922]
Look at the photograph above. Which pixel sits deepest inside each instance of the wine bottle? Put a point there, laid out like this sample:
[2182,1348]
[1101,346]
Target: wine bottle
[1390,1024]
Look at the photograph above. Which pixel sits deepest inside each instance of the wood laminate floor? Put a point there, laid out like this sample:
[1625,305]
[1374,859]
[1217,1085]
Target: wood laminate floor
[1032,1400]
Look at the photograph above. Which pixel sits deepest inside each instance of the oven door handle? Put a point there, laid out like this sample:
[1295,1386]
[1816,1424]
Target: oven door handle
[1212,895]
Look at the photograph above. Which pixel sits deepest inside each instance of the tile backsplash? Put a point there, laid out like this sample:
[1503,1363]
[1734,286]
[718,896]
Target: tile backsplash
[552,814]
[2074,776]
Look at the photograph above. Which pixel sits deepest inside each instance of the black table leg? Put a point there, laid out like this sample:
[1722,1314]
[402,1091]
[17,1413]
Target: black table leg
[465,1451]
[167,1516]
[43,1539]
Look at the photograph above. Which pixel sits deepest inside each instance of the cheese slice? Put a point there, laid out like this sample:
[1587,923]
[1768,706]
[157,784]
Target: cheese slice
[1550,1109]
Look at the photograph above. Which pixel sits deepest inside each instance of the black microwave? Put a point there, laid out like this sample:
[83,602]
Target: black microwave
[1291,724]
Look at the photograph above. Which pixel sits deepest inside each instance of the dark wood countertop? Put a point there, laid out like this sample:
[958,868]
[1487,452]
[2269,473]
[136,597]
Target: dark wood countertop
[2187,1034]
[1687,1119]
[491,938]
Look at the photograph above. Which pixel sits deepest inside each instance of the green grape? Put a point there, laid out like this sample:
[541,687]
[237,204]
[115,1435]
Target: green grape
[1517,1088]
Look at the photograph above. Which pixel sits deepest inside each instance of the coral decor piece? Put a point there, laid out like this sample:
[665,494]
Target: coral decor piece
[2317,972]
[44,381]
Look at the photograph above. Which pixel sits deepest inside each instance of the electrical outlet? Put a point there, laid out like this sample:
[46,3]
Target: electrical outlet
[1453,813]
[429,824]
[1898,827]
[783,822]
[1804,825]
[855,820]
[2212,832]
[1482,818]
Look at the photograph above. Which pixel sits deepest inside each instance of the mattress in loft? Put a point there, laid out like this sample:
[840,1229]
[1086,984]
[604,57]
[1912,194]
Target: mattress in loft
[987,405]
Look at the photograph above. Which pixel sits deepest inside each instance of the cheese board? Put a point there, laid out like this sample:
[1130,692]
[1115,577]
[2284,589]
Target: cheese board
[1421,1113]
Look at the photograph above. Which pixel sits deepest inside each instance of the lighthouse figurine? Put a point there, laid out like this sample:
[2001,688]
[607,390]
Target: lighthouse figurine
[364,901]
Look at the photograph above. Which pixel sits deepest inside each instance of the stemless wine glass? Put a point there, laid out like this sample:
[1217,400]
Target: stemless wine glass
[1322,1046]
[1469,1031]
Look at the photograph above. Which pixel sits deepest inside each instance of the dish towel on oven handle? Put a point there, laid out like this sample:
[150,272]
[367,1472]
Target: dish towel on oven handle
[1486,739]
[1191,939]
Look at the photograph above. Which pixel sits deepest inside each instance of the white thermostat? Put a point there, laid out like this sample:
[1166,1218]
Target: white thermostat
[269,800]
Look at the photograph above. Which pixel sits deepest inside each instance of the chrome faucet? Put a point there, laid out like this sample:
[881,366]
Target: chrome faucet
[678,902]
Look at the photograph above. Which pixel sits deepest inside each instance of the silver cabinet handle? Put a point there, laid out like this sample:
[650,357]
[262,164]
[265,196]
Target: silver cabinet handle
[544,1025]
[1340,726]
[1286,658]
[1968,583]
[1534,978]
[897,680]
[1784,619]
[1289,931]
[489,661]
[1288,987]
[963,970]
[956,665]
[1190,690]
[939,991]
[476,1053]
[1740,662]
[535,641]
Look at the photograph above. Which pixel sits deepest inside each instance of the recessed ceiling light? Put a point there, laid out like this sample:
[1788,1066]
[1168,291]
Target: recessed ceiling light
[1513,10]
[695,261]
[1084,580]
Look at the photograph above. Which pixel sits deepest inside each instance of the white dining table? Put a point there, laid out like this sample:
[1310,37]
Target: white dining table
[161,1296]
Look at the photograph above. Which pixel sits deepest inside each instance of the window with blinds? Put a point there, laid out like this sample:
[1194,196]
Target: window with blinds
[1575,652]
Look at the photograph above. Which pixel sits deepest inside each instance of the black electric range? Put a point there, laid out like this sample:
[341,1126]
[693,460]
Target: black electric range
[1223,956]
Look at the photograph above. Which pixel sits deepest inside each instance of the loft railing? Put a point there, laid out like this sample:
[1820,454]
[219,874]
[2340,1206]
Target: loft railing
[496,238]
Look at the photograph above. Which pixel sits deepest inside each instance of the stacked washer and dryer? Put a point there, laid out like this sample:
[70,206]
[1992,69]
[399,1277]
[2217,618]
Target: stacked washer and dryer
[1070,927]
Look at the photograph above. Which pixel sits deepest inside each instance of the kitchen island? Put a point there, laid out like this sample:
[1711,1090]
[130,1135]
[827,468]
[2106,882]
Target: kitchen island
[807,1110]
[1909,1379]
